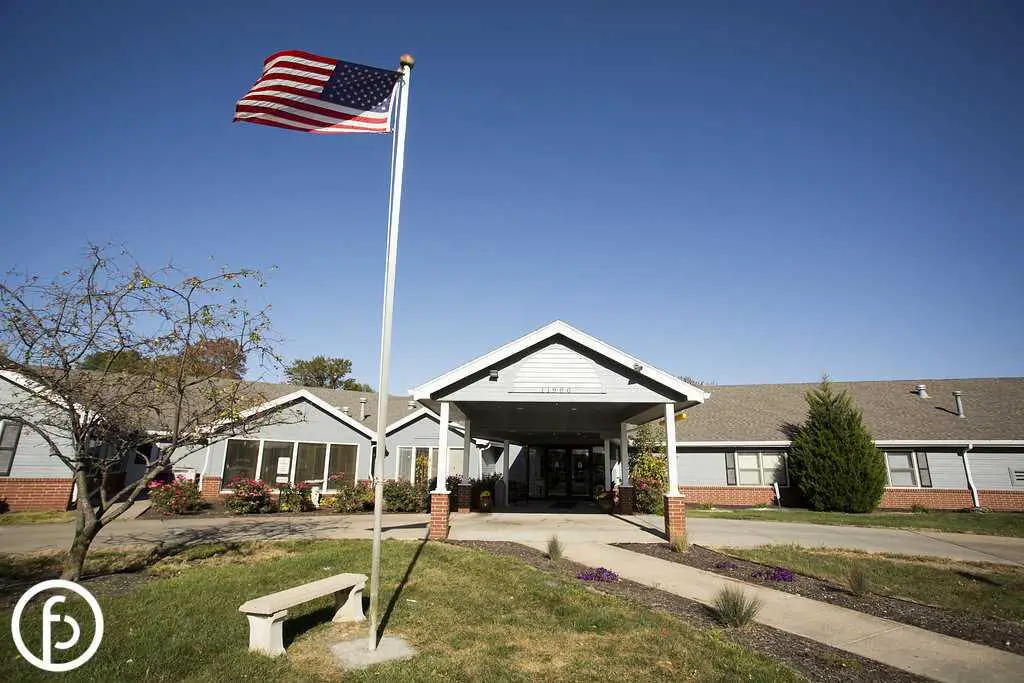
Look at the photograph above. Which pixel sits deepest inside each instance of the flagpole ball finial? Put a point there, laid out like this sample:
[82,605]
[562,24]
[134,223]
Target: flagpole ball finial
[407,60]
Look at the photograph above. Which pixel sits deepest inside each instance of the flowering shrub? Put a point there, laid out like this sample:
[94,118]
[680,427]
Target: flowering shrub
[599,574]
[297,498]
[727,564]
[774,574]
[649,475]
[402,496]
[350,497]
[251,496]
[177,497]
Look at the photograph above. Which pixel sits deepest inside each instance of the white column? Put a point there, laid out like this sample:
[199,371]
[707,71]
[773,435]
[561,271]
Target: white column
[467,453]
[504,470]
[624,454]
[607,464]
[670,449]
[442,449]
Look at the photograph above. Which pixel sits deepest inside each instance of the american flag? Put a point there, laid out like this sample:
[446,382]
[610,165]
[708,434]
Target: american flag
[302,91]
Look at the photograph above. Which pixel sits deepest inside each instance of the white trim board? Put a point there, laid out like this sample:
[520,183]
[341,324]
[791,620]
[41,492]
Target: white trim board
[417,414]
[425,391]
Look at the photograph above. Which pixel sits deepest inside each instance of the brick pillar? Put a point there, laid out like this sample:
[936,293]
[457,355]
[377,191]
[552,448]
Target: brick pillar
[627,501]
[463,495]
[438,530]
[211,488]
[675,518]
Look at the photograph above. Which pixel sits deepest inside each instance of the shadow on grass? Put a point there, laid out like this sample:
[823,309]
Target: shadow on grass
[398,590]
[293,628]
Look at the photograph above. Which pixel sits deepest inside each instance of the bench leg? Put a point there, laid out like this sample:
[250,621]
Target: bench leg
[349,605]
[266,634]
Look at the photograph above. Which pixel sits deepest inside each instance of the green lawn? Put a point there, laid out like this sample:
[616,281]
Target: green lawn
[47,517]
[472,615]
[988,523]
[986,590]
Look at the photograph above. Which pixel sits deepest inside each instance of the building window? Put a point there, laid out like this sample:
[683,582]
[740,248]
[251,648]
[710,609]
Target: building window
[240,460]
[342,462]
[310,459]
[756,468]
[276,467]
[901,468]
[406,464]
[10,433]
[908,469]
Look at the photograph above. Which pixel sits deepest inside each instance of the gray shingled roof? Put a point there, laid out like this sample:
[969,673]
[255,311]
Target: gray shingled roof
[398,406]
[892,411]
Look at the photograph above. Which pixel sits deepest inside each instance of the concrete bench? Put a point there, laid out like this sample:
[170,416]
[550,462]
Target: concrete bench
[266,614]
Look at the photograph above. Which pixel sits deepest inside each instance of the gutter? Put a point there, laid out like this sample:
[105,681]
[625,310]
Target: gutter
[970,479]
[206,462]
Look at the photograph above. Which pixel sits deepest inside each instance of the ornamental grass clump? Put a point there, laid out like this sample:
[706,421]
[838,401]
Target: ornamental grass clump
[857,580]
[178,497]
[555,548]
[773,574]
[735,608]
[599,574]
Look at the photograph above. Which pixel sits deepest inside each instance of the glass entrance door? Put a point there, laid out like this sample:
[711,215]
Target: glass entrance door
[558,472]
[579,466]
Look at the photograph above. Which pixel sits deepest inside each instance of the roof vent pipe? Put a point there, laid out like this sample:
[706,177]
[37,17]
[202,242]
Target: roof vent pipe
[345,410]
[921,391]
[362,408]
[412,405]
[958,397]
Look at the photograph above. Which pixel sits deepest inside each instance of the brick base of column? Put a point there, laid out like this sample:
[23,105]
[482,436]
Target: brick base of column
[463,495]
[675,519]
[211,488]
[438,530]
[627,500]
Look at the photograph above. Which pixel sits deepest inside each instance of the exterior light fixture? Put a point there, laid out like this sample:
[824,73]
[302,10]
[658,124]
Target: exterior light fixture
[493,375]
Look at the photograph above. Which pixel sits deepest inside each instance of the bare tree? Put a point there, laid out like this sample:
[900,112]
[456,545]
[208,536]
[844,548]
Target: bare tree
[95,419]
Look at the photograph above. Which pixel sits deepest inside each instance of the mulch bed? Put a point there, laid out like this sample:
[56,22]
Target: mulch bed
[814,660]
[218,509]
[998,633]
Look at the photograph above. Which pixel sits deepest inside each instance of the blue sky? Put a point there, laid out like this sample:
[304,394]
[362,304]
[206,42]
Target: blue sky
[741,191]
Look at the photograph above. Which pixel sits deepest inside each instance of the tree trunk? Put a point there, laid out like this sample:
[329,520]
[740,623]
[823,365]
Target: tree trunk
[87,525]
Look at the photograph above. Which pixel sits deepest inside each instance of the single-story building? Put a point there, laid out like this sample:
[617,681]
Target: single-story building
[549,413]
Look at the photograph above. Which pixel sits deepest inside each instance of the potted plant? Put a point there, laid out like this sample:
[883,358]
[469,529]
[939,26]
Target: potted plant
[604,501]
[485,501]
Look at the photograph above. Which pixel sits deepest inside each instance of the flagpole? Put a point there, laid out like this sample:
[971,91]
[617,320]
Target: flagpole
[394,211]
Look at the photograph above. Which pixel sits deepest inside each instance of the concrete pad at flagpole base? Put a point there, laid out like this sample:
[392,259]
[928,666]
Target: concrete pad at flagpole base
[353,654]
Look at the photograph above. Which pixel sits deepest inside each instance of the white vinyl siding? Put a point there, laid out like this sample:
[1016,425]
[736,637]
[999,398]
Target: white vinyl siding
[756,468]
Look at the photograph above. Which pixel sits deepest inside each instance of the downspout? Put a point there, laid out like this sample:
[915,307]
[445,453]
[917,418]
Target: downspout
[970,479]
[206,462]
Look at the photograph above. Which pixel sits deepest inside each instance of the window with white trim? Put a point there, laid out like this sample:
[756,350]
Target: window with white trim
[288,462]
[10,433]
[756,468]
[908,469]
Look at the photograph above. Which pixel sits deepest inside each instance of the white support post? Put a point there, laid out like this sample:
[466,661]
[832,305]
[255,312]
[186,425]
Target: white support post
[671,457]
[504,470]
[442,449]
[624,454]
[607,464]
[467,453]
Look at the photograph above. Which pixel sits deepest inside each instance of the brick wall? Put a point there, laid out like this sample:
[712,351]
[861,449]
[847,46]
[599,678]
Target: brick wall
[933,499]
[211,488]
[438,530]
[1002,500]
[23,495]
[735,496]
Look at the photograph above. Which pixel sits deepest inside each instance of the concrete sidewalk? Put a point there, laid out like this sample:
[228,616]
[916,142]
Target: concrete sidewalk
[912,649]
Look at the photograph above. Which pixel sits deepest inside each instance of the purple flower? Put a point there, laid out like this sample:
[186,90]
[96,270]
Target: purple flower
[774,574]
[599,574]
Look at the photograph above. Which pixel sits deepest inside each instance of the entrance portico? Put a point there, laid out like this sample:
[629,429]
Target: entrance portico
[559,403]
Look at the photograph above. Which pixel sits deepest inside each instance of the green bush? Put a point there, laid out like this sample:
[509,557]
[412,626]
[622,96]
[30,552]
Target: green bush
[833,460]
[297,498]
[178,497]
[350,497]
[251,496]
[734,608]
[402,496]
